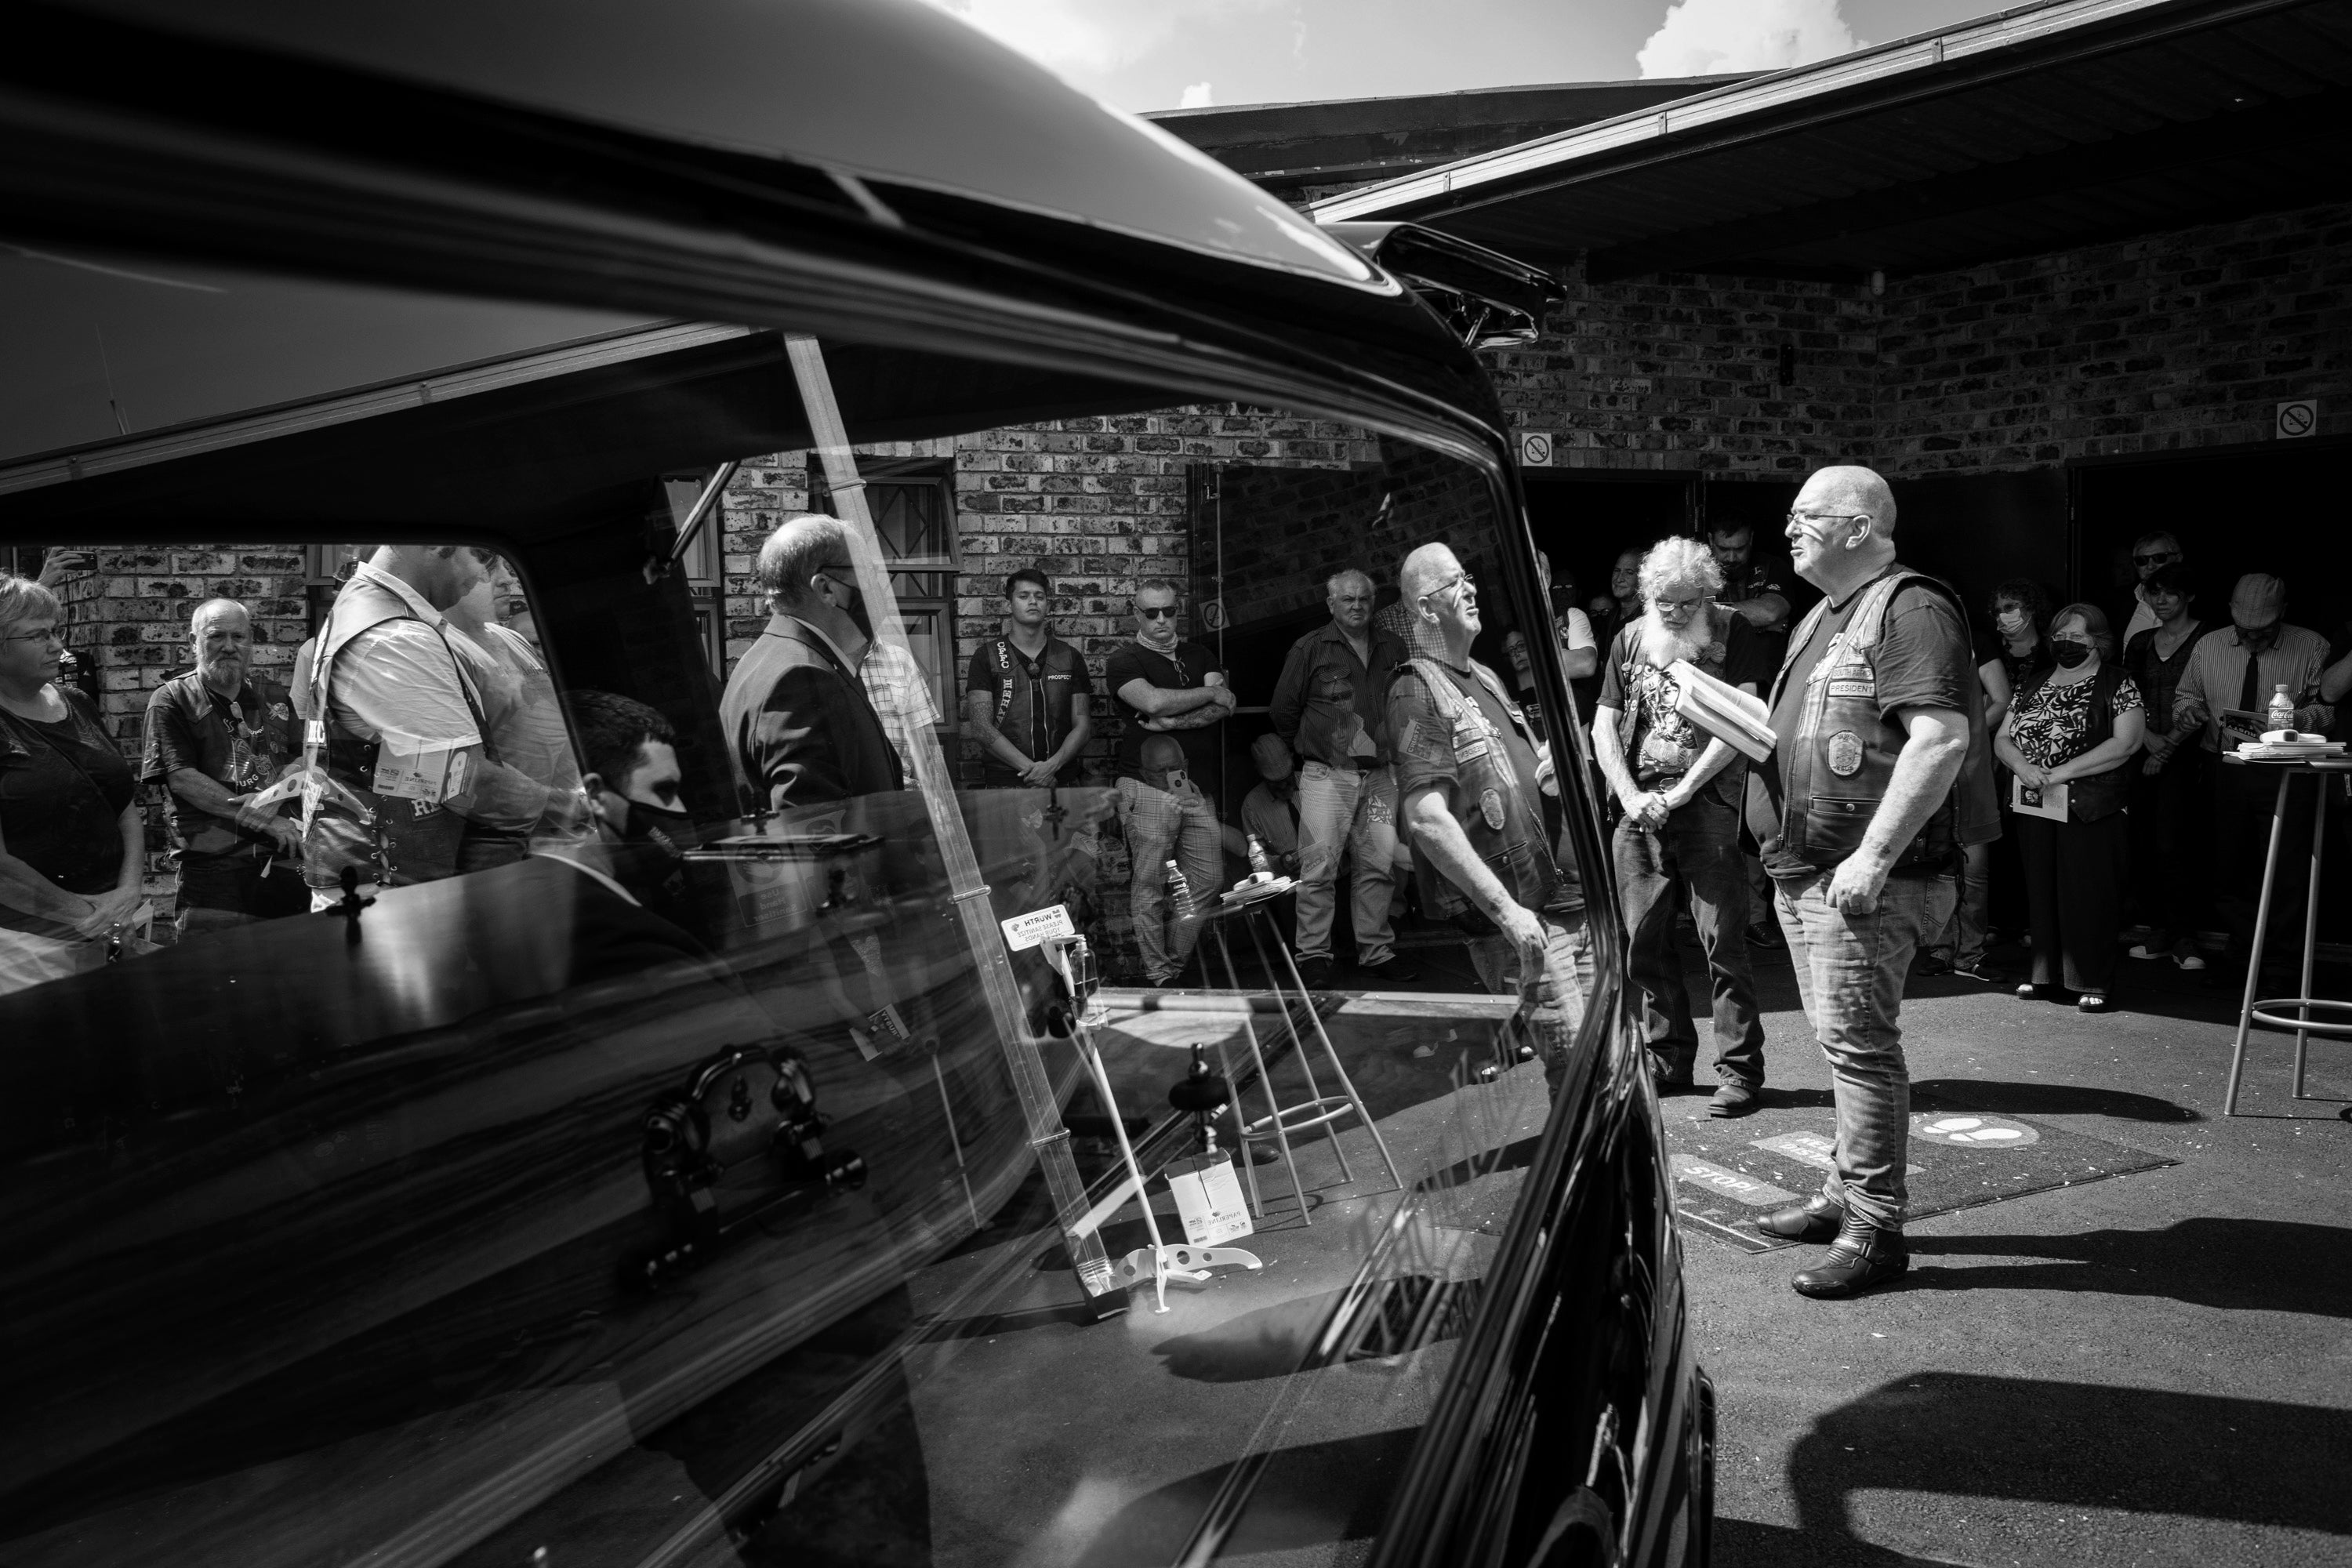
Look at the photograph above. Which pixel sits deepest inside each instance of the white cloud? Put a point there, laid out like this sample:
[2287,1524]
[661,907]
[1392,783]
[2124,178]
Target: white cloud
[1196,96]
[1090,36]
[1701,38]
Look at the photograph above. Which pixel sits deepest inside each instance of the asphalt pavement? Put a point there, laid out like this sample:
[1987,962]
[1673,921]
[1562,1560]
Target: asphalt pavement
[2151,1369]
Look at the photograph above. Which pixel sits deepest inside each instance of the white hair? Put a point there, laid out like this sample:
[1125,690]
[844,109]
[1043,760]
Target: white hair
[1679,562]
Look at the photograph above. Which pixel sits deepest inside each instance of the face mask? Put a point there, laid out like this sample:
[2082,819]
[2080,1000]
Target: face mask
[856,611]
[2011,622]
[2068,652]
[648,822]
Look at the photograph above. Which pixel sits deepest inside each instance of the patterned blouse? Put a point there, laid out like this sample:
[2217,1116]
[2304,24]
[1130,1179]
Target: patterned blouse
[2048,724]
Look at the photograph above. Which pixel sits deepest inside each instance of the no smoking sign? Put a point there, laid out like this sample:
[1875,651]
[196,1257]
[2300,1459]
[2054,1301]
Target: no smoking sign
[2299,417]
[1535,450]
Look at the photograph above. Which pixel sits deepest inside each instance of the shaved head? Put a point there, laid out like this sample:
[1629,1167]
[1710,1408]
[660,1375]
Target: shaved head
[1425,569]
[1851,491]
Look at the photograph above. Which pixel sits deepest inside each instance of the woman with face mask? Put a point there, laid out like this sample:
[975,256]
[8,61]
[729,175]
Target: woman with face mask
[2170,793]
[2080,725]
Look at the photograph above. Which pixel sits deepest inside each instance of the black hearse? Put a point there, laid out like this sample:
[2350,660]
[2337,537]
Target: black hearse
[498,1220]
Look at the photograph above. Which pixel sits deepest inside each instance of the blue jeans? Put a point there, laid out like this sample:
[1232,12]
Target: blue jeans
[1160,827]
[1850,971]
[1341,810]
[1697,848]
[1556,1010]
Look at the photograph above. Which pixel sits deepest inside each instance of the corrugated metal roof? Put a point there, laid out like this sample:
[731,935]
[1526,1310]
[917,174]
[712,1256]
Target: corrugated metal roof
[2047,126]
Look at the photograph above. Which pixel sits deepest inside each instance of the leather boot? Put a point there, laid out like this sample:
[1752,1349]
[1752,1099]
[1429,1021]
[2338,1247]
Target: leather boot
[1815,1220]
[1863,1258]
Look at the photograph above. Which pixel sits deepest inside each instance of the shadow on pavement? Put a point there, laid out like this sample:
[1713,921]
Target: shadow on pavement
[2239,1265]
[2004,1099]
[2244,1461]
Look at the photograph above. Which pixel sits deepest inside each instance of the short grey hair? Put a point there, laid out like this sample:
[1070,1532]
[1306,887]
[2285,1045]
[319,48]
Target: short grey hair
[23,599]
[1157,585]
[1346,575]
[1679,562]
[196,616]
[2158,537]
[802,546]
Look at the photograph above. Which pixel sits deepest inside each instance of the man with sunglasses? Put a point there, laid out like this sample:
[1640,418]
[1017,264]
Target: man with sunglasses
[1879,773]
[801,728]
[2150,554]
[1169,690]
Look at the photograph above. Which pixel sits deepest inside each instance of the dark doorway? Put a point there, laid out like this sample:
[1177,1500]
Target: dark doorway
[2278,508]
[1583,518]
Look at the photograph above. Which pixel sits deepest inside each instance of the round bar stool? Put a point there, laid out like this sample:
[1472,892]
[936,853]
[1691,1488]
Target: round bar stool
[2269,1011]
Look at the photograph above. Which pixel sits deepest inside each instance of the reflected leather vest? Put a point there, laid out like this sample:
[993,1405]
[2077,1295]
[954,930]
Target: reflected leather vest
[1843,756]
[414,841]
[1505,828]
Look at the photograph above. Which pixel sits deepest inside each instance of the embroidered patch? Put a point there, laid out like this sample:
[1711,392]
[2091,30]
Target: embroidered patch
[1417,742]
[1853,689]
[1490,806]
[1845,753]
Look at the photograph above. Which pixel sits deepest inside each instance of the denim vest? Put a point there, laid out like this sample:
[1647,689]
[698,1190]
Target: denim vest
[1842,755]
[1505,828]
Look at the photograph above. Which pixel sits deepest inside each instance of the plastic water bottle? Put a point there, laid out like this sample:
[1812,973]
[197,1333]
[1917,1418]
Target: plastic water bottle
[1180,893]
[1258,865]
[2282,712]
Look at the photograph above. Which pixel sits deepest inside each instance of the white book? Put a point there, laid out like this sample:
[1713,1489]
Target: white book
[1723,710]
[2049,800]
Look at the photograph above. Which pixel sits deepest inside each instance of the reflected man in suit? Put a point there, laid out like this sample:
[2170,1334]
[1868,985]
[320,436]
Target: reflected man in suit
[798,724]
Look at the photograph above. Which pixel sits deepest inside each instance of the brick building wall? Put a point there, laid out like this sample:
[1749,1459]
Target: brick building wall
[2179,340]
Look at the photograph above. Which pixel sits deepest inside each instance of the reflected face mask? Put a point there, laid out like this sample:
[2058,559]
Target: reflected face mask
[2068,652]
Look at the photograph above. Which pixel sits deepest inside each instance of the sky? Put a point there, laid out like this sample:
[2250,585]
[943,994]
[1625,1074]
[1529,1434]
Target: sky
[1144,55]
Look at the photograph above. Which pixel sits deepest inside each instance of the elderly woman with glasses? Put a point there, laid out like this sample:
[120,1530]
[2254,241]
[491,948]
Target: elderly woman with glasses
[72,841]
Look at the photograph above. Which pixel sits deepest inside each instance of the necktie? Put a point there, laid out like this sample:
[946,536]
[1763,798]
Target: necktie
[2249,693]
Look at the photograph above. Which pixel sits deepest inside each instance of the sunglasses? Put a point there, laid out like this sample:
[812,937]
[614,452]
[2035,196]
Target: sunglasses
[1156,612]
[2160,558]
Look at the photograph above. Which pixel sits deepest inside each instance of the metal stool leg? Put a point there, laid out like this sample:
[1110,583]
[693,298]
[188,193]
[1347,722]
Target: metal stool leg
[1347,1085]
[2254,958]
[2310,928]
[1265,1081]
[1297,1041]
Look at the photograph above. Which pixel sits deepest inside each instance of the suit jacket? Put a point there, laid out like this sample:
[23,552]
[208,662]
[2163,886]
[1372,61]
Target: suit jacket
[801,729]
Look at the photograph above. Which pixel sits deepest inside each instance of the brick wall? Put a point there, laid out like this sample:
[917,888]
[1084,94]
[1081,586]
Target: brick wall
[2176,341]
[2180,340]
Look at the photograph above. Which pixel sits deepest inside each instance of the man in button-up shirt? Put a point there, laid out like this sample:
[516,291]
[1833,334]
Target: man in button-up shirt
[1329,705]
[2230,674]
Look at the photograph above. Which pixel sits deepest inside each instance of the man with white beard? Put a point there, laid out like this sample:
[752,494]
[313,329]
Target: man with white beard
[1681,790]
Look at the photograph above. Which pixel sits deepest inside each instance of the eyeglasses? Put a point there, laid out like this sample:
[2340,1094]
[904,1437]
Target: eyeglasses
[50,635]
[1463,581]
[2156,558]
[1679,606]
[1156,612]
[1798,519]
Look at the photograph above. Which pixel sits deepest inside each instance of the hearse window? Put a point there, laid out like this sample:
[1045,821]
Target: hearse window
[970,960]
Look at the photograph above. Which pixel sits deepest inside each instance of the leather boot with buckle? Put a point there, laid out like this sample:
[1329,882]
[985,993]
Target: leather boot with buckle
[1815,1220]
[1863,1258]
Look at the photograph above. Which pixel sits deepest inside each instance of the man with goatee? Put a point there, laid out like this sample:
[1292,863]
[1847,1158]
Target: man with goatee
[1681,790]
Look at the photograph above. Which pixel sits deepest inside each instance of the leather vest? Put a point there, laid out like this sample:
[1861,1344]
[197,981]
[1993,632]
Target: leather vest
[1843,756]
[410,840]
[1505,828]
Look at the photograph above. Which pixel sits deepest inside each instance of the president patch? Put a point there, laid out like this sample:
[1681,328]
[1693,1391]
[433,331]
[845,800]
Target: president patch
[1845,753]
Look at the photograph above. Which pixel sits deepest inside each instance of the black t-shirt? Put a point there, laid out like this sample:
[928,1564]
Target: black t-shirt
[241,743]
[63,788]
[1665,745]
[1029,699]
[1183,668]
[1922,660]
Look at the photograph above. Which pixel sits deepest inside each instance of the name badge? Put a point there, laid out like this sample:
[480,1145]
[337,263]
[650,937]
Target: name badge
[1853,689]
